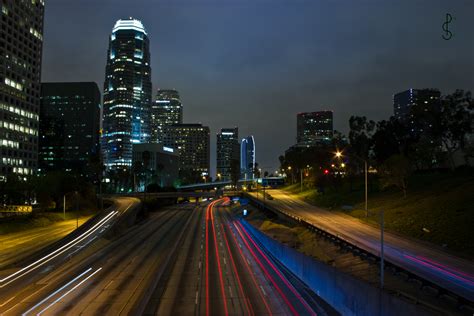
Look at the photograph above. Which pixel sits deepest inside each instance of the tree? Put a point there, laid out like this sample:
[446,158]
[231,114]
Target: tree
[256,171]
[394,172]
[234,171]
[360,134]
[384,141]
[456,122]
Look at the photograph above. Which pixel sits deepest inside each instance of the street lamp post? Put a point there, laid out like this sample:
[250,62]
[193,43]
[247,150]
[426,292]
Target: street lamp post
[381,250]
[339,155]
[366,189]
[77,208]
[292,176]
[301,180]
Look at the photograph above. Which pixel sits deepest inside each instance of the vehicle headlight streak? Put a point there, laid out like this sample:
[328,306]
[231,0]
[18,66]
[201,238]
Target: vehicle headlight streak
[38,263]
[60,289]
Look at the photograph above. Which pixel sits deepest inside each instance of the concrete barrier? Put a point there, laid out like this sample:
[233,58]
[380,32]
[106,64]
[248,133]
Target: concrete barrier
[346,294]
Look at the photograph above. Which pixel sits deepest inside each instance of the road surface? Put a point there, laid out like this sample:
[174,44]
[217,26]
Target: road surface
[217,269]
[447,271]
[108,278]
[221,270]
[28,273]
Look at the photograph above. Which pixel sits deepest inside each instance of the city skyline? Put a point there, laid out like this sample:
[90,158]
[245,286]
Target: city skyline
[131,182]
[353,80]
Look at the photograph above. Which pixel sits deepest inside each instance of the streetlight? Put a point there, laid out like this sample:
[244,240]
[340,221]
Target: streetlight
[339,155]
[301,180]
[76,194]
[204,178]
[292,175]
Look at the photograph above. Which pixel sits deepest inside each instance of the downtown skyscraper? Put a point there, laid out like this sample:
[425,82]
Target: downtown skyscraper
[247,157]
[127,93]
[406,101]
[314,128]
[192,142]
[69,127]
[165,111]
[20,74]
[228,153]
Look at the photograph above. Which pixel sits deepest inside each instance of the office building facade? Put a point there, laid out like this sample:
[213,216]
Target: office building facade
[127,93]
[192,141]
[157,164]
[227,153]
[314,128]
[69,127]
[247,157]
[405,101]
[20,77]
[165,111]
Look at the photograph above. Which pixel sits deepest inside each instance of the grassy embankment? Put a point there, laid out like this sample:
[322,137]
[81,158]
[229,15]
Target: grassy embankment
[43,219]
[439,208]
[285,232]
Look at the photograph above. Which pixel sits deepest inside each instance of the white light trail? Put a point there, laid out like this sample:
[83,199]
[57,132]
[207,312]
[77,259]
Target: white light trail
[57,291]
[38,263]
[64,295]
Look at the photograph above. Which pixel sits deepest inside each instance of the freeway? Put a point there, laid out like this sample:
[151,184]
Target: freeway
[109,277]
[28,271]
[222,270]
[447,271]
[186,259]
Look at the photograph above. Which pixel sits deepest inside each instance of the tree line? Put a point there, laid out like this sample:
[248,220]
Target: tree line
[431,136]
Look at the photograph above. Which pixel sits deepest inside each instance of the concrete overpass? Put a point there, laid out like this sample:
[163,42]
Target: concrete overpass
[164,195]
[269,181]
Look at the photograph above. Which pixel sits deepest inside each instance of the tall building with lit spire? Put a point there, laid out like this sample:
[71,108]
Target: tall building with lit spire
[127,93]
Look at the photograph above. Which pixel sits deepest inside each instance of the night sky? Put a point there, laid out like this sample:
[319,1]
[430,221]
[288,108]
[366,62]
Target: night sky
[256,63]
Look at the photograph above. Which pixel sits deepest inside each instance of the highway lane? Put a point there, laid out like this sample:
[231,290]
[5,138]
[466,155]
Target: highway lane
[221,270]
[27,271]
[108,277]
[450,272]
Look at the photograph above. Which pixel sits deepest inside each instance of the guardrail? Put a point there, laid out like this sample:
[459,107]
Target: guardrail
[361,249]
[346,294]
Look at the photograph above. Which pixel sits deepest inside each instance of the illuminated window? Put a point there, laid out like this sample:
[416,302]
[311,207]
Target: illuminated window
[36,34]
[13,84]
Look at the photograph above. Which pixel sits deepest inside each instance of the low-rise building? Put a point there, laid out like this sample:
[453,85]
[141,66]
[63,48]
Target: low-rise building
[154,164]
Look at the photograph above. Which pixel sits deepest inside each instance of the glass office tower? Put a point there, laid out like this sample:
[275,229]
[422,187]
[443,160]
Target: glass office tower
[247,157]
[165,111]
[227,153]
[127,93]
